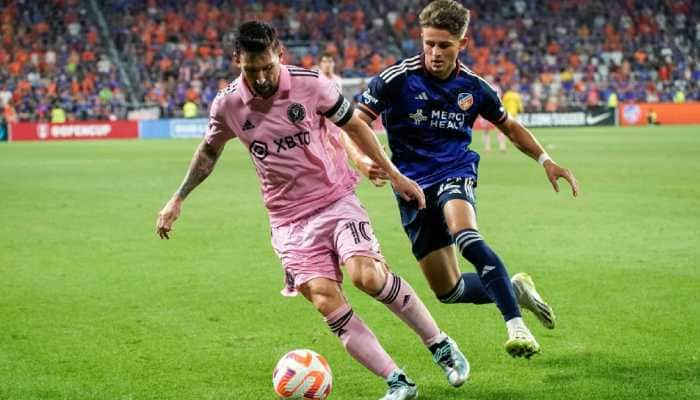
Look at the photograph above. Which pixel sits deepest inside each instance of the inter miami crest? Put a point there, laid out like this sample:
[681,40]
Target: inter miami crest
[296,113]
[465,100]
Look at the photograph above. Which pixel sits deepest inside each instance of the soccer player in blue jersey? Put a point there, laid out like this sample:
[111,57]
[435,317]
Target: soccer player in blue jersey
[428,104]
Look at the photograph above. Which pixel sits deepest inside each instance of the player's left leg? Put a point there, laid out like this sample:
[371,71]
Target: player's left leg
[461,221]
[374,278]
[451,286]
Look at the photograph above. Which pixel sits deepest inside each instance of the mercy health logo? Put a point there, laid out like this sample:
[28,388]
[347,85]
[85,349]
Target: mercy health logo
[94,130]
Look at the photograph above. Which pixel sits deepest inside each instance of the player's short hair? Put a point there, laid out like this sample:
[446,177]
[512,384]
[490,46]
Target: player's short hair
[255,37]
[445,14]
[327,55]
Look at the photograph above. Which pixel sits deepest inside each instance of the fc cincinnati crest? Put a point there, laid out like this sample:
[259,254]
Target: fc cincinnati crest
[296,113]
[465,100]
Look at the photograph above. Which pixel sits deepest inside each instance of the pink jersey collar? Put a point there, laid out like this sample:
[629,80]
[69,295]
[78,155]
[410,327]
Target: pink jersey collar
[247,94]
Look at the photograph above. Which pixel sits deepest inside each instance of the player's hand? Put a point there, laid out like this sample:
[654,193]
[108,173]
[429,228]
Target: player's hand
[372,171]
[555,172]
[408,190]
[167,217]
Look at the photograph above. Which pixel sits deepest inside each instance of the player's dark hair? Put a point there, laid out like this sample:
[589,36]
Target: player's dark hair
[327,55]
[255,37]
[446,14]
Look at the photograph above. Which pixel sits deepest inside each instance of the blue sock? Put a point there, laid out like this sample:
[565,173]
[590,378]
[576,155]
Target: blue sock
[490,270]
[468,290]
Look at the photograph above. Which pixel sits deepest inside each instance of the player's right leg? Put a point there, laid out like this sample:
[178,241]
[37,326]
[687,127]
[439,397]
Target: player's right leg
[431,235]
[358,249]
[374,278]
[359,341]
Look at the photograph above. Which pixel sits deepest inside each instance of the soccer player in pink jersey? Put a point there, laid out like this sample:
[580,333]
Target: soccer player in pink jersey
[282,114]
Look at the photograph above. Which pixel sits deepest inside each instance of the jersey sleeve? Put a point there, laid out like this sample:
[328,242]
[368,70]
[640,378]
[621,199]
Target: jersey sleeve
[332,104]
[218,131]
[491,107]
[375,98]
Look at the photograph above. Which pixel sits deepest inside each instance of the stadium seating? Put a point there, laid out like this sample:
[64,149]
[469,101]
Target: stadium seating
[559,54]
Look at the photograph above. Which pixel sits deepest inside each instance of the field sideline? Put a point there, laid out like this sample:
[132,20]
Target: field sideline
[94,306]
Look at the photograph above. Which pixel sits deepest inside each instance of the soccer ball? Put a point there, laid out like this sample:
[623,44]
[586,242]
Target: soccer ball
[302,374]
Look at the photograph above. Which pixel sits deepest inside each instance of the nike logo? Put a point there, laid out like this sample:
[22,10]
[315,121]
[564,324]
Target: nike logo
[487,269]
[592,120]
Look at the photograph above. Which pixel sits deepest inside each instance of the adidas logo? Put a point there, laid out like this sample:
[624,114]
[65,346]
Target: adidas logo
[422,96]
[248,125]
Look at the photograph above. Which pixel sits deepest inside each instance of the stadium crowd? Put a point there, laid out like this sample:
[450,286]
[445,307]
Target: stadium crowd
[56,63]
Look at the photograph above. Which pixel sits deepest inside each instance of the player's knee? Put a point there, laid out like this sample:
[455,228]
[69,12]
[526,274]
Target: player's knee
[368,275]
[326,298]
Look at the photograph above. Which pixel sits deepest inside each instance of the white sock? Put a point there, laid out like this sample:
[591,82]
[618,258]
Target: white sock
[515,323]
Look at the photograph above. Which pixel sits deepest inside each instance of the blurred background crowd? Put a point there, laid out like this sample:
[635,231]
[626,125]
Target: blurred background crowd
[90,59]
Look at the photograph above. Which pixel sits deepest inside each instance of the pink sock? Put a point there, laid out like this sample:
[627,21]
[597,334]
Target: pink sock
[359,341]
[400,297]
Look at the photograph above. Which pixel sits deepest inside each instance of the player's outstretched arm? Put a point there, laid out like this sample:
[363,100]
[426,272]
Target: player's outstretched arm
[526,142]
[202,165]
[364,164]
[363,136]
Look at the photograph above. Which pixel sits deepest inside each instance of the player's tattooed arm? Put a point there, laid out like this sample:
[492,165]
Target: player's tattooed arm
[202,165]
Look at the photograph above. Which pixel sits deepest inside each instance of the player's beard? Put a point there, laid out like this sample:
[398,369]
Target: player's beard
[266,90]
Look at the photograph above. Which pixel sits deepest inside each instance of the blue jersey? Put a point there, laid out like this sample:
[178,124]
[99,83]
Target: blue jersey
[429,121]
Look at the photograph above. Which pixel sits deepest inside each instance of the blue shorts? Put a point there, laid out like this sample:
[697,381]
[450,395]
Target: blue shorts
[426,228]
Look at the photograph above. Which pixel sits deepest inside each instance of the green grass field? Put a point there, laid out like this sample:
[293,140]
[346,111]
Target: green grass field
[94,306]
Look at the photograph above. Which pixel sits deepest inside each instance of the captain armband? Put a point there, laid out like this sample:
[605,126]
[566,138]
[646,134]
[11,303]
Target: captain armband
[341,112]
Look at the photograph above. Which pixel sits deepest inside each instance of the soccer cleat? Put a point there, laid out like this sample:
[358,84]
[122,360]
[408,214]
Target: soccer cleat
[520,342]
[400,387]
[455,365]
[528,298]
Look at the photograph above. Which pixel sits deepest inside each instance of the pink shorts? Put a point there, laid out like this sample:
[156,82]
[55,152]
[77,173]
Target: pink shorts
[316,246]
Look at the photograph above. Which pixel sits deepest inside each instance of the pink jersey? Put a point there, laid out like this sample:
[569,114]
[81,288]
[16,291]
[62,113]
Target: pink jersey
[300,163]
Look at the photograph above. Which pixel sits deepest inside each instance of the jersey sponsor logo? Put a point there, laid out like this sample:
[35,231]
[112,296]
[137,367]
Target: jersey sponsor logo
[296,113]
[422,96]
[298,139]
[248,125]
[261,150]
[258,149]
[465,101]
[367,98]
[446,120]
[418,116]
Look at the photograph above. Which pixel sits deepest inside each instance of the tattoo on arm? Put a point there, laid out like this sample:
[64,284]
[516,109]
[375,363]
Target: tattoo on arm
[202,165]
